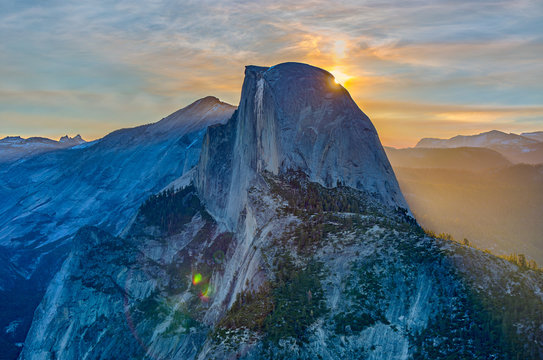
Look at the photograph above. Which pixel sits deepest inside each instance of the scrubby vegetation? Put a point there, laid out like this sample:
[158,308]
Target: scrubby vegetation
[298,300]
[283,308]
[249,311]
[518,259]
[181,323]
[457,334]
[170,209]
[505,316]
[150,308]
[308,197]
[521,261]
[490,322]
[364,291]
[332,210]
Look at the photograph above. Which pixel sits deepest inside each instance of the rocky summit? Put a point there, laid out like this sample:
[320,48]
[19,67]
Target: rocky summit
[290,240]
[292,116]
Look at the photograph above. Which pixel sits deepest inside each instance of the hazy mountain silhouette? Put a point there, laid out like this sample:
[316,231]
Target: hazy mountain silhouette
[516,148]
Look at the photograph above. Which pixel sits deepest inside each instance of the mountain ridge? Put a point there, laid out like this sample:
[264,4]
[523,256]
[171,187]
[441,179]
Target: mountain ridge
[48,197]
[536,135]
[481,139]
[516,148]
[472,158]
[13,148]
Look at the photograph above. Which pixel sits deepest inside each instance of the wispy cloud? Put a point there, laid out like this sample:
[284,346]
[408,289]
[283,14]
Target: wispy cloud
[402,124]
[121,63]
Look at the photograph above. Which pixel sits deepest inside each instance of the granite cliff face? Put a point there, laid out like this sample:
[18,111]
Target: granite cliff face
[293,116]
[291,240]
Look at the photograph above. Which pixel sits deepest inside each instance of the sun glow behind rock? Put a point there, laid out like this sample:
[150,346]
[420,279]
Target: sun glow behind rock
[340,77]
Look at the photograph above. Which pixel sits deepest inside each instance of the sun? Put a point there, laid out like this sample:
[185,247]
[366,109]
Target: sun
[340,77]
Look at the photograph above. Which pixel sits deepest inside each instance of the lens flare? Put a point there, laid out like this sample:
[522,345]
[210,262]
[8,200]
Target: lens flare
[206,293]
[196,279]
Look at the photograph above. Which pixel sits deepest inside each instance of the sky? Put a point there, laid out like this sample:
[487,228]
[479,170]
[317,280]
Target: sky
[421,68]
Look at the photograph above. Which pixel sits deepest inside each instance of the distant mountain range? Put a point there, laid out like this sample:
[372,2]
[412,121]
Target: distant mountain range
[524,148]
[536,135]
[15,147]
[461,158]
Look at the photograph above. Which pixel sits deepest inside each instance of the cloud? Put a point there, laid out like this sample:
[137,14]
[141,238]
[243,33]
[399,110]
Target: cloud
[126,60]
[402,124]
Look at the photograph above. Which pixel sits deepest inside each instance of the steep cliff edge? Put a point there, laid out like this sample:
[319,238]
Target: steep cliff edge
[293,116]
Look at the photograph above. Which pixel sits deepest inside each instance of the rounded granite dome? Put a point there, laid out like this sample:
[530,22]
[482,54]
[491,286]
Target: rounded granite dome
[294,116]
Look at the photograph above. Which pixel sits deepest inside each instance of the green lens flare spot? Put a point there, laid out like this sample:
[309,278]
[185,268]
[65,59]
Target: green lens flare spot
[196,278]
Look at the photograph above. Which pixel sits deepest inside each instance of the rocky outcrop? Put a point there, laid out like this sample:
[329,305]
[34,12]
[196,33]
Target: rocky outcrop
[342,277]
[293,117]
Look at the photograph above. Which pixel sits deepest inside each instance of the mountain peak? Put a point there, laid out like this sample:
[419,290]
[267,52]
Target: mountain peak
[11,138]
[494,132]
[207,101]
[76,140]
[524,148]
[201,113]
[16,147]
[293,116]
[295,69]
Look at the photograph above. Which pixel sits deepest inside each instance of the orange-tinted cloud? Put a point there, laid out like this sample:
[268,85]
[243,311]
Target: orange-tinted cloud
[427,69]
